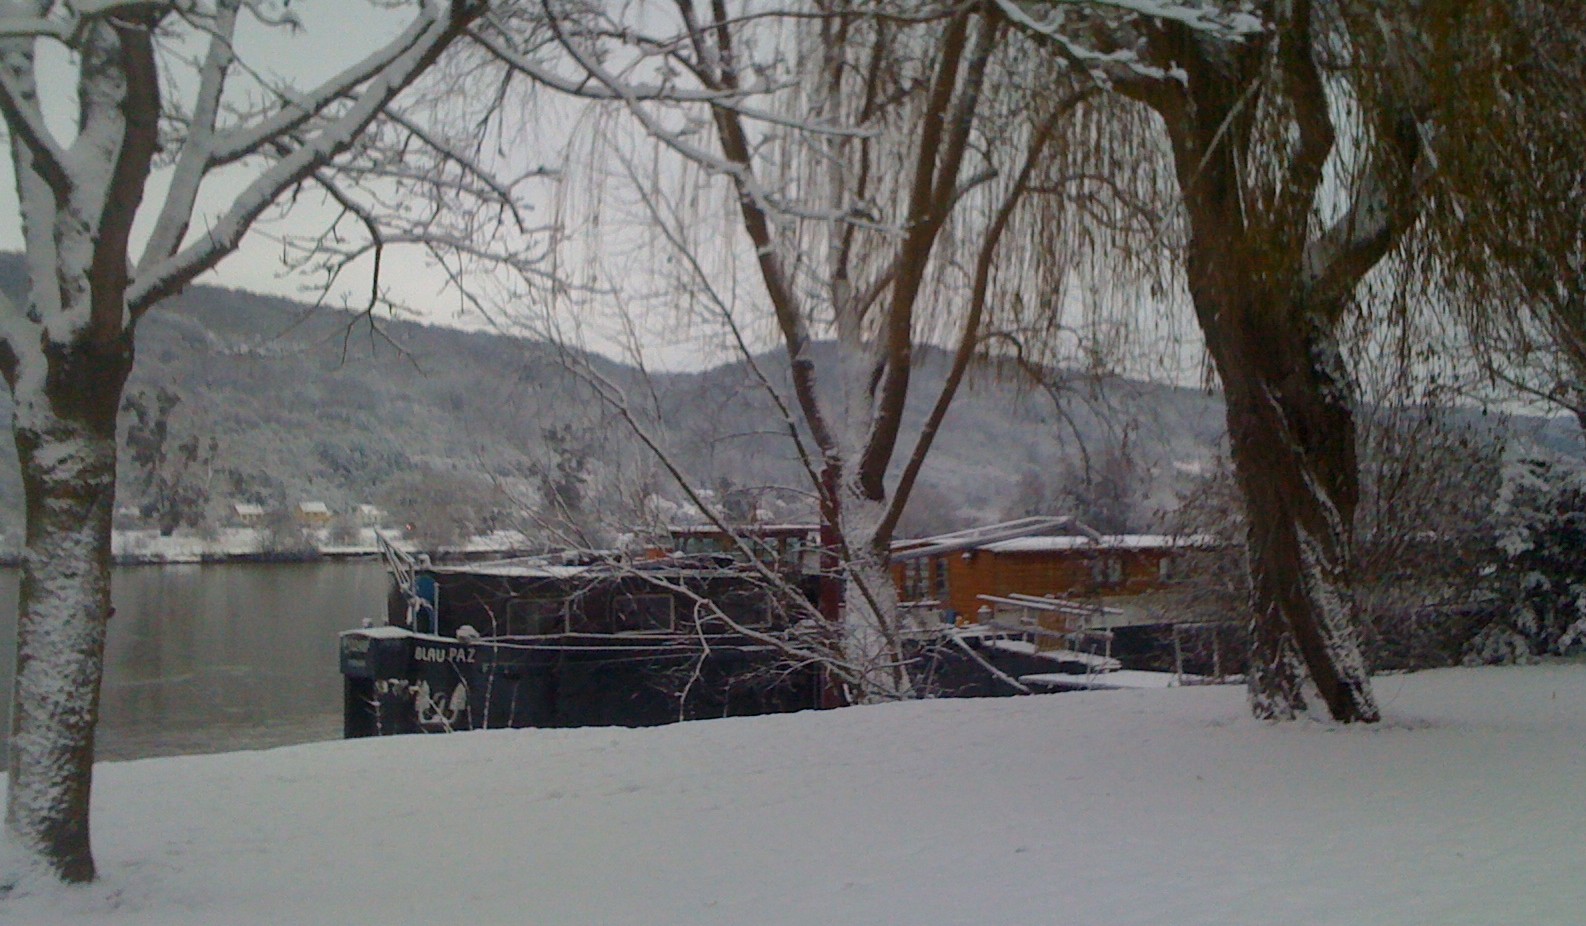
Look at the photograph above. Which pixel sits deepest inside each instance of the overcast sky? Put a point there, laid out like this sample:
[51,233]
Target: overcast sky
[335,33]
[338,32]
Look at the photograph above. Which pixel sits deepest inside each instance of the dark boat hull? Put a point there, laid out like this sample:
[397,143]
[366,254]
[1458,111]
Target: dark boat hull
[402,682]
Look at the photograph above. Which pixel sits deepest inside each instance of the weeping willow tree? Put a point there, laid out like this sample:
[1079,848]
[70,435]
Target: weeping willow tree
[1508,243]
[1296,134]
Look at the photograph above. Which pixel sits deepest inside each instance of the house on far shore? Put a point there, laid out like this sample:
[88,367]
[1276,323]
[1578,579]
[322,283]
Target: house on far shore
[248,514]
[313,514]
[1050,574]
[369,515]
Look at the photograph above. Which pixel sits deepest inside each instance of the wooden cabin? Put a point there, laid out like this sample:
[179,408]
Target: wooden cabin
[1097,580]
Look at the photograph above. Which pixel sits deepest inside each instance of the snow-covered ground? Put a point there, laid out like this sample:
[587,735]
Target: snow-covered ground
[1109,808]
[187,546]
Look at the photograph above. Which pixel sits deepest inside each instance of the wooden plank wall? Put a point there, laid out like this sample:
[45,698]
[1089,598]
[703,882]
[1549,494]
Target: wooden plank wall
[1064,573]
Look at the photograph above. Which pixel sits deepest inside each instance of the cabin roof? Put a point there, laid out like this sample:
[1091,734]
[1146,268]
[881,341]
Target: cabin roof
[750,530]
[979,537]
[516,569]
[1102,543]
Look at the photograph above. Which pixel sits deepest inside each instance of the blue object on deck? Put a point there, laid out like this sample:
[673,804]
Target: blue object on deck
[428,594]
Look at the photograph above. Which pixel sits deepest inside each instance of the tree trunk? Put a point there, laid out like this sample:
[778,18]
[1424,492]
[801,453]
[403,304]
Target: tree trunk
[1292,433]
[872,642]
[1252,131]
[66,443]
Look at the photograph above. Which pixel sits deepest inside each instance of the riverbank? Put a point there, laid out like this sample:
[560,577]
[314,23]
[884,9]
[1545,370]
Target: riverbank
[1125,808]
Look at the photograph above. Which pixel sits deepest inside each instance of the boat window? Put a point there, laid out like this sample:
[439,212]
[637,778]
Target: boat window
[535,616]
[641,612]
[747,609]
[917,579]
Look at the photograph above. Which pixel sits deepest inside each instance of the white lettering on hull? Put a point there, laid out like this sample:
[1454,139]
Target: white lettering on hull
[442,654]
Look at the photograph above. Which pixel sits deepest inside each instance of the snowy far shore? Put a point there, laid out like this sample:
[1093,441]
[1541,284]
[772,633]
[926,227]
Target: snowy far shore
[250,545]
[1115,808]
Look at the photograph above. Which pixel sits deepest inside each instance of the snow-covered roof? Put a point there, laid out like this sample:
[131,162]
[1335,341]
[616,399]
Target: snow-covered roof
[1023,647]
[248,510]
[1027,648]
[539,567]
[384,632]
[313,508]
[518,569]
[1107,681]
[1105,542]
[980,537]
[745,529]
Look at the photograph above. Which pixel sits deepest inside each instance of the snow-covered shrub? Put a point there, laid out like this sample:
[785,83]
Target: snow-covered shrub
[1540,577]
[1498,644]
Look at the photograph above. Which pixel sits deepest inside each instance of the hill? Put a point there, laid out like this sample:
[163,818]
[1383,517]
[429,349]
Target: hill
[318,404]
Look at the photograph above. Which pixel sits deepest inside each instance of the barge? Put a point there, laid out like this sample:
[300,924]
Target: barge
[560,642]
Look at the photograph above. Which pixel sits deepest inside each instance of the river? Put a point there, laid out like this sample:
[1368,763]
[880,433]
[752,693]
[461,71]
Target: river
[219,657]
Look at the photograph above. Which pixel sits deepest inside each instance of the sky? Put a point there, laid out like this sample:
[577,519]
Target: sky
[335,33]
[607,258]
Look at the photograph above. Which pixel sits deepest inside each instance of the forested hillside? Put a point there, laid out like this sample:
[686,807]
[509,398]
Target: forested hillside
[318,404]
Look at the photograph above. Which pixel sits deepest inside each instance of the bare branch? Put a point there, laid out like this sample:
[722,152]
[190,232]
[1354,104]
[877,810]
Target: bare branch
[969,337]
[414,52]
[193,163]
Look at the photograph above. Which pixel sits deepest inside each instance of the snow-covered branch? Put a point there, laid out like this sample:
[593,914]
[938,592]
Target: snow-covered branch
[400,62]
[1381,209]
[193,163]
[19,102]
[1102,37]
[1221,19]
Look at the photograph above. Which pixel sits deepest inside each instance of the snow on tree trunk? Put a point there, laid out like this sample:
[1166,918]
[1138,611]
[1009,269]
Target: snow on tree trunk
[1291,428]
[1271,282]
[66,443]
[872,637]
[66,351]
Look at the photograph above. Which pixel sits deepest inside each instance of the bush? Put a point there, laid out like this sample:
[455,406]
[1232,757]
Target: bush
[1540,577]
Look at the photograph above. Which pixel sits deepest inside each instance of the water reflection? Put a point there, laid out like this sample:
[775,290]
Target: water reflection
[218,657]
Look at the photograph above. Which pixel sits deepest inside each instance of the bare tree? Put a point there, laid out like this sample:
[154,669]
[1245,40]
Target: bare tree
[877,155]
[1422,563]
[440,507]
[67,350]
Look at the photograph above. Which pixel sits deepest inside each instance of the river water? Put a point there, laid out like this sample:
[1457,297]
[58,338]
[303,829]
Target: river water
[219,657]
